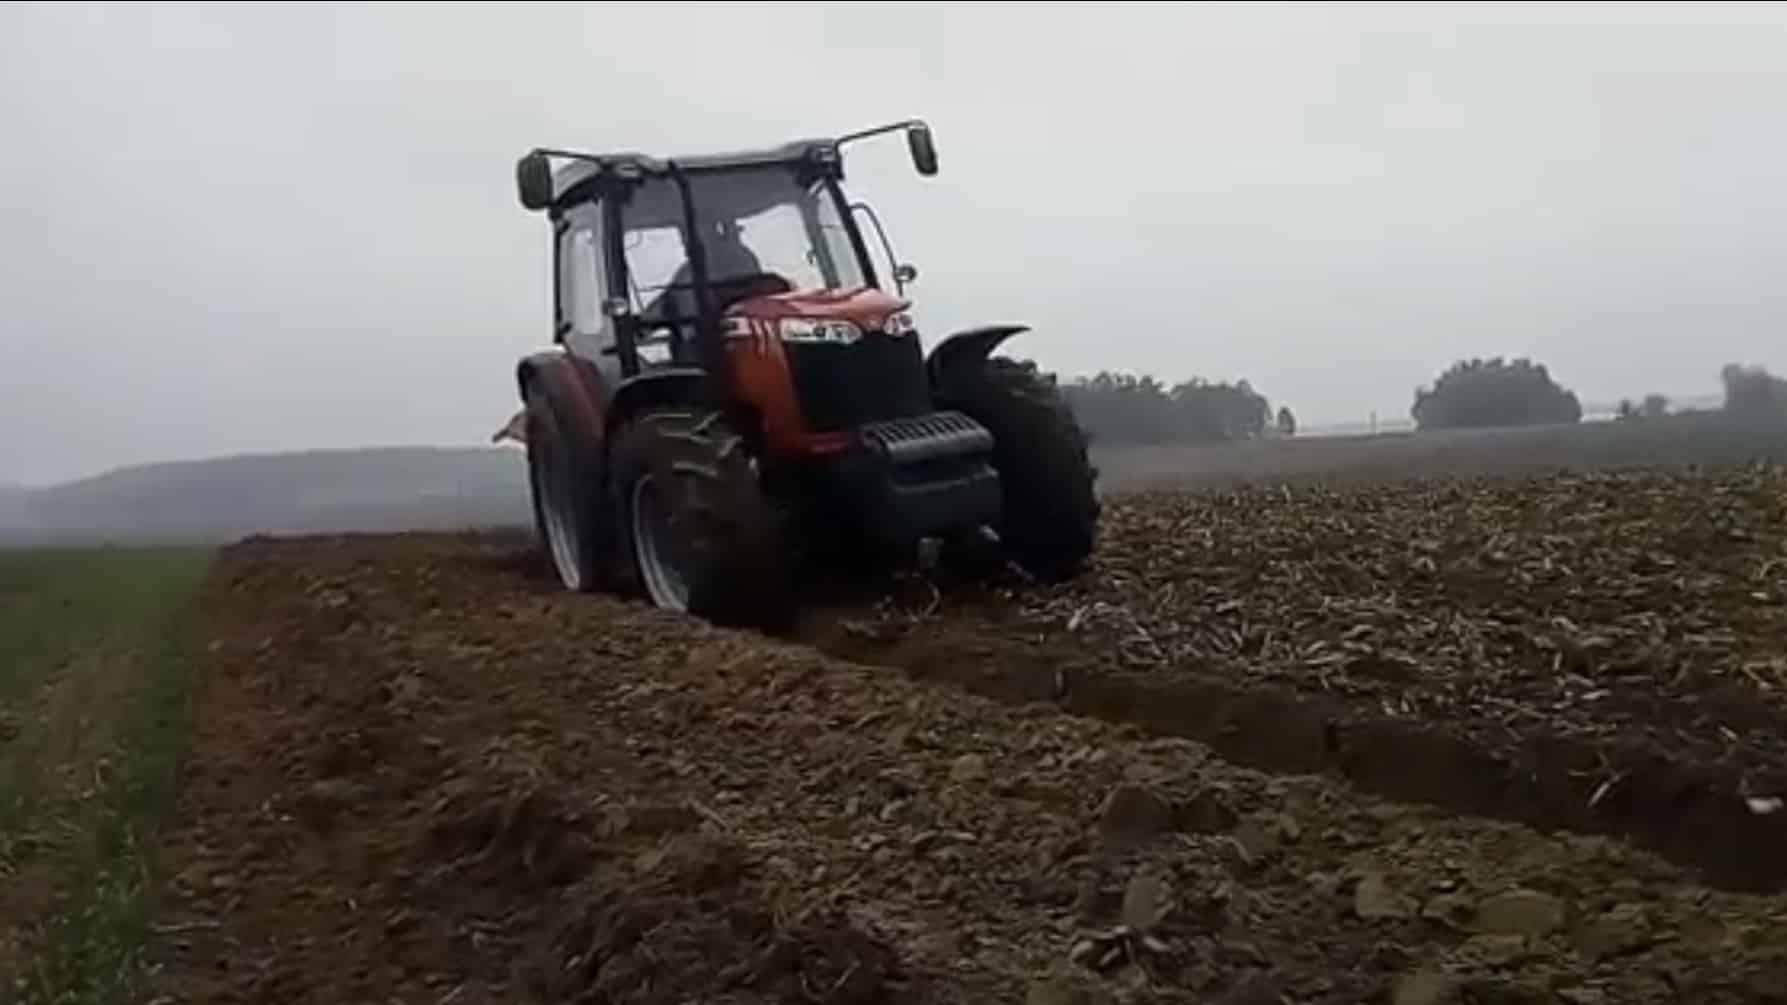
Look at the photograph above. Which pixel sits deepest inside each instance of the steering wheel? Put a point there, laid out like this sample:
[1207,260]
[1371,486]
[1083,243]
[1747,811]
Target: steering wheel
[726,291]
[732,289]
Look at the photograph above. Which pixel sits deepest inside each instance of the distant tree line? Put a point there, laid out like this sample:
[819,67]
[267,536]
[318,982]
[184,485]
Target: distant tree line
[1126,408]
[1654,406]
[1477,393]
[1131,409]
[1753,393]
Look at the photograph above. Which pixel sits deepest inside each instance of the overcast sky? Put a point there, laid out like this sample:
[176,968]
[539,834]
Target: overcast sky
[238,229]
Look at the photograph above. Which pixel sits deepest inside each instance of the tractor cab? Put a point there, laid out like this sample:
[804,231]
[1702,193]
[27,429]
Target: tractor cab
[655,256]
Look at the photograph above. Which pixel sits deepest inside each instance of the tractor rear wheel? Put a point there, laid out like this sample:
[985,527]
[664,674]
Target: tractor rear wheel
[1049,522]
[697,532]
[562,482]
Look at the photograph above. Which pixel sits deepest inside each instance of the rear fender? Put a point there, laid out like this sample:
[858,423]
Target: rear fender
[573,387]
[965,350]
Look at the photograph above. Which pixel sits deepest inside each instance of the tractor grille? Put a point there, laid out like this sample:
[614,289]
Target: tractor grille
[928,437]
[873,379]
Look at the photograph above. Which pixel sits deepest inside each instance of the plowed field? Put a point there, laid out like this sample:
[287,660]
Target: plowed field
[1601,652]
[1431,742]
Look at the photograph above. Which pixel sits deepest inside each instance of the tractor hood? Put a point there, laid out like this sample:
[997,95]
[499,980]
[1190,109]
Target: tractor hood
[866,306]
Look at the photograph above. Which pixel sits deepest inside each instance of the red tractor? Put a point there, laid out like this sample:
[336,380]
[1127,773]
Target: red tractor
[735,393]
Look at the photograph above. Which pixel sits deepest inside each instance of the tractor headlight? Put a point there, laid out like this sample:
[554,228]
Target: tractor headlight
[819,331]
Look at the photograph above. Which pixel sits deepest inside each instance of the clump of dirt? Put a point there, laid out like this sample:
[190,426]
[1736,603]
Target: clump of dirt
[675,921]
[525,838]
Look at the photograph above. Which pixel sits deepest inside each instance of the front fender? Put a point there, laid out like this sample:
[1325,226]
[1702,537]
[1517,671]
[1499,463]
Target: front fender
[966,349]
[666,386]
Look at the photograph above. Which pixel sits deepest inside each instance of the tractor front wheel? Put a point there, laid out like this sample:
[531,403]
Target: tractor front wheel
[1049,522]
[697,533]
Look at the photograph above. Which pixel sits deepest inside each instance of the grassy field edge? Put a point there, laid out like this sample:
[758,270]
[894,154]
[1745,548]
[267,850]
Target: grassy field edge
[136,620]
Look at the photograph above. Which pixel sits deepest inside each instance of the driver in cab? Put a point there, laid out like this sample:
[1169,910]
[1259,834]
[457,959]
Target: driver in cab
[729,260]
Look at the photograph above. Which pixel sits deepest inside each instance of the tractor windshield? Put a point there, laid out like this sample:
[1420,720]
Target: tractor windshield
[753,222]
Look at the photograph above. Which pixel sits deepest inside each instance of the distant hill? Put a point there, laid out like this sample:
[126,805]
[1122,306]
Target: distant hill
[225,498]
[14,503]
[423,488]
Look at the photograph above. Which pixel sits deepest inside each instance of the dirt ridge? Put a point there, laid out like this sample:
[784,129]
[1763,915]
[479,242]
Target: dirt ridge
[1691,812]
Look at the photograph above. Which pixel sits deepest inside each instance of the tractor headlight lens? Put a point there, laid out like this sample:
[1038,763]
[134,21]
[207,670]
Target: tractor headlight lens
[898,324]
[818,331]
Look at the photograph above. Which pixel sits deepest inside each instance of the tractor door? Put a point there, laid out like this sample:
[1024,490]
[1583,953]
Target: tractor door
[584,326]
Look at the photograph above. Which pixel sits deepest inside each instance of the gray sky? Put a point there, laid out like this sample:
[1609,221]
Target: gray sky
[256,228]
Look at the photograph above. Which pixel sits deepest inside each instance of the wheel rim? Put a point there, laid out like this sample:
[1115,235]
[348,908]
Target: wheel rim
[664,581]
[561,534]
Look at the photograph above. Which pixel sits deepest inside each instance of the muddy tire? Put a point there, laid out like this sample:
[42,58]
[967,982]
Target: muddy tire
[696,531]
[1050,521]
[563,480]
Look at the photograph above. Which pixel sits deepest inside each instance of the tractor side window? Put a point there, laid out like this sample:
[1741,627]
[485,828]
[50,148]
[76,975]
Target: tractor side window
[580,281]
[582,292]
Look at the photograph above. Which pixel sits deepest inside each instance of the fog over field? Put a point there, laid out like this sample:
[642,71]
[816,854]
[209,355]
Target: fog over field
[422,489]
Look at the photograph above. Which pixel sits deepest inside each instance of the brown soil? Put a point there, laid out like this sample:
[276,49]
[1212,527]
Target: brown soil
[421,774]
[1596,652]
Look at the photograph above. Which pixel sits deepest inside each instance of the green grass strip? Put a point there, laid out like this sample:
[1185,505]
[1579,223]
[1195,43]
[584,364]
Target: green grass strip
[97,654]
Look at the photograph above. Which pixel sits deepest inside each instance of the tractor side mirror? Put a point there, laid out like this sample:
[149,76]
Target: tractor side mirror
[533,179]
[924,151]
[905,274]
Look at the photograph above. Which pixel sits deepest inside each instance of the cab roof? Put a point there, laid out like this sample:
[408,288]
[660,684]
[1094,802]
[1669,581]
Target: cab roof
[590,176]
[571,183]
